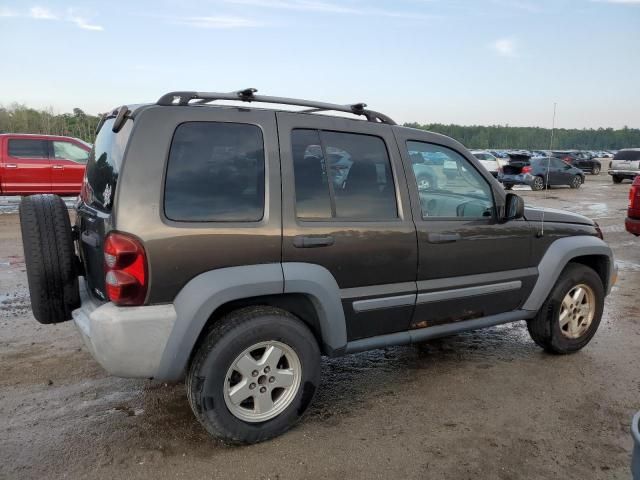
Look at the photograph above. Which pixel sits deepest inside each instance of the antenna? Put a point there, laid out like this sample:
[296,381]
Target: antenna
[546,182]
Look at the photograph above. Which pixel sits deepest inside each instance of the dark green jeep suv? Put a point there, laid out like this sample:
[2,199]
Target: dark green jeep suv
[233,246]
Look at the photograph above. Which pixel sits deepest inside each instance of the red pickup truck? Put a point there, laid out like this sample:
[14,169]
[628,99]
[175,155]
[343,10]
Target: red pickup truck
[41,164]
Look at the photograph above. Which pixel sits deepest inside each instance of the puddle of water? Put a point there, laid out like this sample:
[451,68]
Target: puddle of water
[628,266]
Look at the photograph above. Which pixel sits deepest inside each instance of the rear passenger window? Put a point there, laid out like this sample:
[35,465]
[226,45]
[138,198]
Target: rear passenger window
[342,175]
[215,173]
[26,148]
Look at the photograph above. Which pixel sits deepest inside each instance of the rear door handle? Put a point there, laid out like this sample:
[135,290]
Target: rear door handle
[303,241]
[10,165]
[443,237]
[57,167]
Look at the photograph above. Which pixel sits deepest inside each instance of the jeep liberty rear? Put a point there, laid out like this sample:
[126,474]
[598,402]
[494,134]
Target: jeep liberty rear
[233,246]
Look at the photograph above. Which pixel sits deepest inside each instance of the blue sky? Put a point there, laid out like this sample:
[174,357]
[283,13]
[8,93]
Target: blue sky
[448,61]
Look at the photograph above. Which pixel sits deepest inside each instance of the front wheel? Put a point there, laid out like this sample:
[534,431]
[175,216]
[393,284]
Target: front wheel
[576,182]
[570,316]
[254,375]
[616,179]
[595,170]
[508,186]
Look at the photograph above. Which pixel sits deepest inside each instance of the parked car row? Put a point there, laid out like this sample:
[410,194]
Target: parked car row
[586,154]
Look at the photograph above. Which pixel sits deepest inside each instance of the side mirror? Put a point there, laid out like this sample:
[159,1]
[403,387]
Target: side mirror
[513,208]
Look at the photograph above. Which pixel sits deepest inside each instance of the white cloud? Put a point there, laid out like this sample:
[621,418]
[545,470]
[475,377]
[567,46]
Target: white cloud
[326,7]
[505,47]
[40,13]
[221,22]
[82,23]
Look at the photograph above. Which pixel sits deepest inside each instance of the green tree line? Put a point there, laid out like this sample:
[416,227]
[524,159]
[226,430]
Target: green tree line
[19,118]
[536,138]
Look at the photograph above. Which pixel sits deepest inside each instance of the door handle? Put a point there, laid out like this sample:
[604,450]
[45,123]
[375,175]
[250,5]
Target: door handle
[443,237]
[303,241]
[10,165]
[57,167]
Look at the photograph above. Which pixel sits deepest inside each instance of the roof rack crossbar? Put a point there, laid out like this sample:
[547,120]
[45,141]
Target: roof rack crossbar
[248,95]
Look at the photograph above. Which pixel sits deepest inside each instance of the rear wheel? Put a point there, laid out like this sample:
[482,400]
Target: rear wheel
[576,181]
[570,316]
[616,179]
[508,186]
[50,258]
[254,375]
[537,184]
[595,170]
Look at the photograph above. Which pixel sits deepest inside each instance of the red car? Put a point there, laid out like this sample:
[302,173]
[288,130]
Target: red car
[41,164]
[632,223]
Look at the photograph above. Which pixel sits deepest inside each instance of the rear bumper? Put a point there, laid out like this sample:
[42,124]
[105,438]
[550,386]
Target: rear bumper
[632,225]
[624,173]
[126,341]
[520,179]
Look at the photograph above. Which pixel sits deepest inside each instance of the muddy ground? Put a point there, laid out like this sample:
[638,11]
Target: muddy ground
[487,404]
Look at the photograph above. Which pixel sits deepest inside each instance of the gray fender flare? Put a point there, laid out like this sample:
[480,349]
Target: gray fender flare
[205,293]
[559,253]
[320,285]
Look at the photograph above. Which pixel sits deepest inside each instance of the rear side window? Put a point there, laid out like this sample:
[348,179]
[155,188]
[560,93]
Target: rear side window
[342,175]
[215,173]
[627,155]
[27,148]
[104,164]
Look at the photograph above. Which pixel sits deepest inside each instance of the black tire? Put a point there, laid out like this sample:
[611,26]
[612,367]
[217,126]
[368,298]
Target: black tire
[545,328]
[595,170]
[616,179]
[576,182]
[50,258]
[508,186]
[229,337]
[537,184]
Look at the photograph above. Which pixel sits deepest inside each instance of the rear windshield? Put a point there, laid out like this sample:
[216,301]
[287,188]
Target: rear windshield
[627,155]
[104,164]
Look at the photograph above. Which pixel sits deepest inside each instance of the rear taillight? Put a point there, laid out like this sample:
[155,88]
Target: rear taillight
[526,169]
[634,199]
[569,160]
[125,269]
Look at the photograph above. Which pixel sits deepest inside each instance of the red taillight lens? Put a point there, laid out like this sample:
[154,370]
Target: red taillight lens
[569,160]
[526,169]
[125,269]
[634,199]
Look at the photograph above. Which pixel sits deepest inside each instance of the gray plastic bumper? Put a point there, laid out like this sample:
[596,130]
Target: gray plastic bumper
[126,341]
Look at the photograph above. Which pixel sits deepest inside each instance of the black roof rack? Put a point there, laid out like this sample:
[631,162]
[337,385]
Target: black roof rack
[248,95]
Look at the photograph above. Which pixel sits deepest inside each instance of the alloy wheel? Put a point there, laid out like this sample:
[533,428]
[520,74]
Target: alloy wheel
[262,381]
[577,311]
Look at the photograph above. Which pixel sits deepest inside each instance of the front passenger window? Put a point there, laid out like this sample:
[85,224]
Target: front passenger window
[448,184]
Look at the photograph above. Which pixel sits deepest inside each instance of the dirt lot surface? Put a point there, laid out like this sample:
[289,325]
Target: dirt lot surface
[486,404]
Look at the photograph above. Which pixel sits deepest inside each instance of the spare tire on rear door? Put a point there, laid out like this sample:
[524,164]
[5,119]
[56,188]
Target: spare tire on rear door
[50,258]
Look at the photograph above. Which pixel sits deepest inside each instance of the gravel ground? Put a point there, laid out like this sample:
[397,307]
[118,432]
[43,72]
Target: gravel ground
[485,404]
